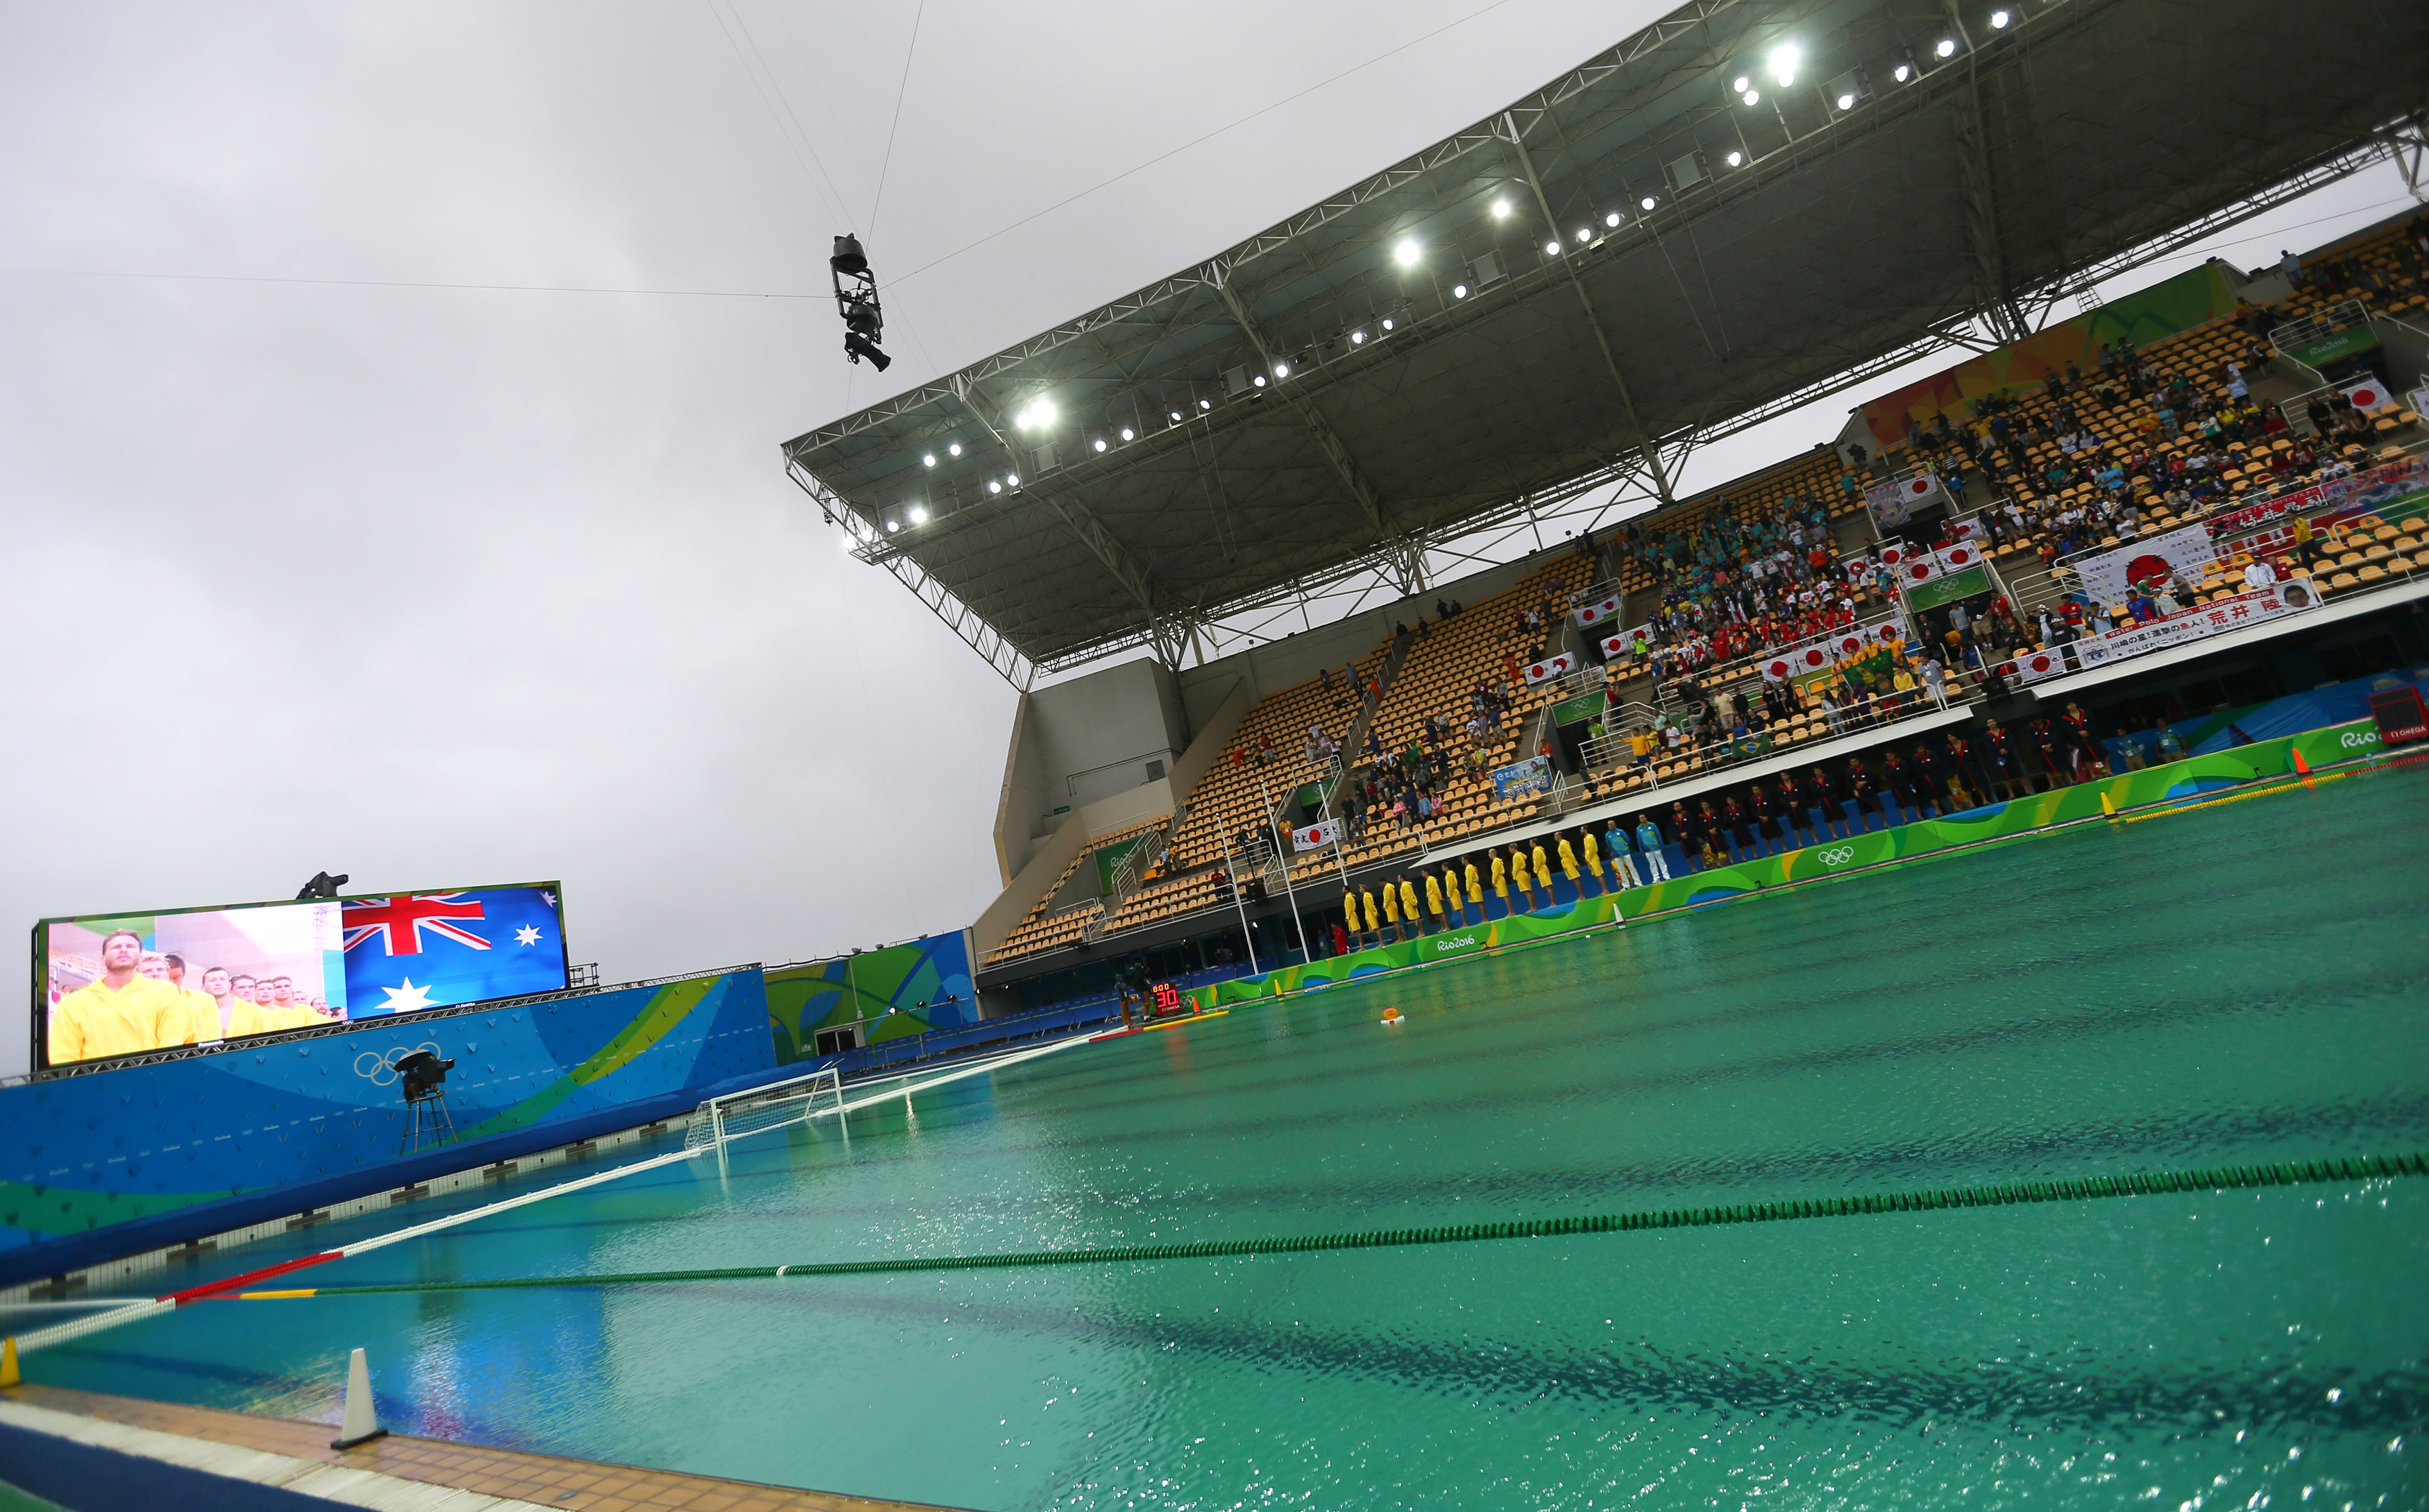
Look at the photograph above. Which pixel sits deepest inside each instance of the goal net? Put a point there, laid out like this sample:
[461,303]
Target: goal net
[735,1115]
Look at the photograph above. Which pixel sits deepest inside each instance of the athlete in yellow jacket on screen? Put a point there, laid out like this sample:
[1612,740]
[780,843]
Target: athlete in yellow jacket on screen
[122,1012]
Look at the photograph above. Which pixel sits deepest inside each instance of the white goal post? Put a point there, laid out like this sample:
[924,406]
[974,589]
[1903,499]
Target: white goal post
[774,1106]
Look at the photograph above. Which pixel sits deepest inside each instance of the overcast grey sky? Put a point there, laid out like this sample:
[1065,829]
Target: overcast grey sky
[441,585]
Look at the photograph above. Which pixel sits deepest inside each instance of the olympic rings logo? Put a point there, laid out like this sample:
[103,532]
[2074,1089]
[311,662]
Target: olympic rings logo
[1838,855]
[380,1070]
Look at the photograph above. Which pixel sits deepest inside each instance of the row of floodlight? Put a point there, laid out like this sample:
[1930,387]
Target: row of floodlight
[1847,89]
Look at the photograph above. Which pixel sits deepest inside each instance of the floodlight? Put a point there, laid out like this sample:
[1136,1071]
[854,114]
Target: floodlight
[1647,203]
[1011,480]
[893,525]
[1406,254]
[1552,248]
[1126,433]
[850,540]
[1847,100]
[1100,443]
[1737,159]
[1999,21]
[1752,97]
[1259,379]
[1784,60]
[848,257]
[1281,369]
[1387,323]
[1039,415]
[1902,72]
[1612,220]
[928,461]
[918,516]
[1359,337]
[1501,210]
[954,450]
[1742,84]
[1585,234]
[1205,403]
[1948,47]
[1459,291]
[993,487]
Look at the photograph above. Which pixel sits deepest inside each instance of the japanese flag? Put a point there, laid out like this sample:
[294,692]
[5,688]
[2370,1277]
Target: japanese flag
[1966,530]
[1920,490]
[1919,570]
[1777,668]
[2033,666]
[1957,558]
[1617,646]
[1550,668]
[1813,658]
[1316,836]
[1595,614]
[1894,554]
[2367,394]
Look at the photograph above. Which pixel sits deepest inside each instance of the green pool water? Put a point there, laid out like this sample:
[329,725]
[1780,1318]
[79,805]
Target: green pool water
[2240,984]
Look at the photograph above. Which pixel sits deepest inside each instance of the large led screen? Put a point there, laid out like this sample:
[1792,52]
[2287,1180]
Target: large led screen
[121,984]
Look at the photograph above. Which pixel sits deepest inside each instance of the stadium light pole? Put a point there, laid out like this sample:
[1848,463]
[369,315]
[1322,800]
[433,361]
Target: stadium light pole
[1247,937]
[1288,891]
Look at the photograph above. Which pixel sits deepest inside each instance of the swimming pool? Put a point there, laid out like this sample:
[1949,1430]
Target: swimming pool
[2236,984]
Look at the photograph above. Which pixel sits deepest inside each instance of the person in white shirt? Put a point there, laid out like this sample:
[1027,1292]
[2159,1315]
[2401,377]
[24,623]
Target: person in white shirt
[2259,574]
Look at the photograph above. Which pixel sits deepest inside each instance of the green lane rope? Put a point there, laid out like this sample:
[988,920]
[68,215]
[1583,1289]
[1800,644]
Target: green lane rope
[2284,1173]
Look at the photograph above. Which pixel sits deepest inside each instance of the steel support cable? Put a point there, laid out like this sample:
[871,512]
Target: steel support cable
[2006,1194]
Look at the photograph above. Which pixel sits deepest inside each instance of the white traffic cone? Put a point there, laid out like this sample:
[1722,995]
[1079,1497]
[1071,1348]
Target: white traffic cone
[361,1424]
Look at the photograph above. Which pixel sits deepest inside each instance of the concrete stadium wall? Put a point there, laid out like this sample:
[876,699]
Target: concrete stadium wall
[1083,745]
[109,1163]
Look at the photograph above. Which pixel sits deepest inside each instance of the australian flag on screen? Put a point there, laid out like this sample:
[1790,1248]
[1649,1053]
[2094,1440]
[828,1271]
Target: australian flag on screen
[440,949]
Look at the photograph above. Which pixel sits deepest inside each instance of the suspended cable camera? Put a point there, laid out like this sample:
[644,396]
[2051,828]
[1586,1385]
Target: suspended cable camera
[855,292]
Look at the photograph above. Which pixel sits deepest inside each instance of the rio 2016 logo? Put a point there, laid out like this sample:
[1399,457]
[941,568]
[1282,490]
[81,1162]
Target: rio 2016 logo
[1838,855]
[2360,737]
[1459,943]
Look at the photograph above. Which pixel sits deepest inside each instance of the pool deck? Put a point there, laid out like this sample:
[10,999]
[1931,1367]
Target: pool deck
[392,1471]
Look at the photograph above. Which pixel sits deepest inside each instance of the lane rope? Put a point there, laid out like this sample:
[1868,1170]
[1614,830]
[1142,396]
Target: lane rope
[135,1310]
[2219,1178]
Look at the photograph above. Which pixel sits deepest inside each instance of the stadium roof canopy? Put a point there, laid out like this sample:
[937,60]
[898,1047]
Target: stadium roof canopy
[1562,296]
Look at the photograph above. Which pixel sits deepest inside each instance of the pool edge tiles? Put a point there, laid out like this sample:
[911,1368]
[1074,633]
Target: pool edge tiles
[282,1450]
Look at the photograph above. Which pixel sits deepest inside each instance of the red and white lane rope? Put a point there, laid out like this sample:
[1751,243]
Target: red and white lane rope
[61,1333]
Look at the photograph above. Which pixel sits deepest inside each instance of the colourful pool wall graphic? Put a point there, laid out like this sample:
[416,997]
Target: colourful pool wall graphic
[880,990]
[114,1163]
[2172,782]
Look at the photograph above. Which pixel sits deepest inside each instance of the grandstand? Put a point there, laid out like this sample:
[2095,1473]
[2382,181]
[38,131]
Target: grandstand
[1345,420]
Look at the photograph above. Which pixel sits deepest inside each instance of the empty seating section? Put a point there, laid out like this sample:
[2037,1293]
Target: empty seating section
[2369,551]
[1046,926]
